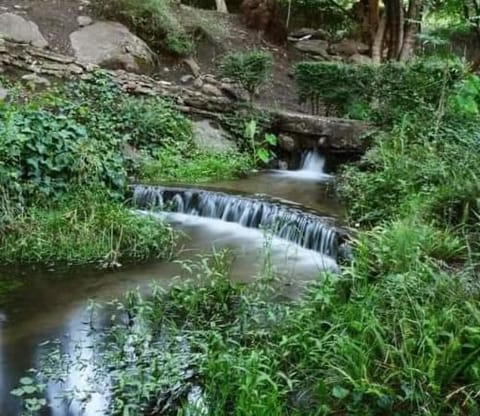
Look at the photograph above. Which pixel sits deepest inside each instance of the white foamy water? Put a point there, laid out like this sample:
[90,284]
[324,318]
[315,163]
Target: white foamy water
[288,259]
[312,168]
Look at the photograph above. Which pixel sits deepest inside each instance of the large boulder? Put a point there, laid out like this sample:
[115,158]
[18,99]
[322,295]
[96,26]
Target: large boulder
[360,59]
[349,47]
[111,45]
[209,135]
[17,29]
[313,46]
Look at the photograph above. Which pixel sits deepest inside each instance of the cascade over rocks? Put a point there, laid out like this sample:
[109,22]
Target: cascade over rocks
[17,29]
[287,222]
[111,45]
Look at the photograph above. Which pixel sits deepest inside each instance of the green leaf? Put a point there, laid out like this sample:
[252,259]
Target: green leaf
[271,139]
[29,389]
[263,155]
[339,392]
[26,380]
[17,392]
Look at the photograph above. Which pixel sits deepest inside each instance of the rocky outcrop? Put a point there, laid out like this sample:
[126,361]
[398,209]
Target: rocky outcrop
[349,47]
[316,44]
[330,134]
[16,28]
[111,45]
[302,130]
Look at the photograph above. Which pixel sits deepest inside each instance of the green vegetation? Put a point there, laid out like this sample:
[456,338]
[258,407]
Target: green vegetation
[155,21]
[83,227]
[250,69]
[58,148]
[172,163]
[380,93]
[396,334]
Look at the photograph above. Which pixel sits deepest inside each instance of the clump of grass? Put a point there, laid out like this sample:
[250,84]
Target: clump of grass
[174,163]
[81,228]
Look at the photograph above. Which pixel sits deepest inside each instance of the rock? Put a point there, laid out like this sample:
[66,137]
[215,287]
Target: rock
[301,33]
[313,46]
[349,47]
[17,29]
[286,143]
[322,142]
[111,45]
[198,83]
[208,135]
[3,94]
[309,33]
[186,79]
[84,21]
[282,165]
[356,58]
[210,89]
[36,79]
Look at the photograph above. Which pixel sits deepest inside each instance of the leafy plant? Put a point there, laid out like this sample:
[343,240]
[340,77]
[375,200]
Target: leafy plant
[260,150]
[250,69]
[31,394]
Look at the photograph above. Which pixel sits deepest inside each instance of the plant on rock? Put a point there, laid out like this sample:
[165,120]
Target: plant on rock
[250,69]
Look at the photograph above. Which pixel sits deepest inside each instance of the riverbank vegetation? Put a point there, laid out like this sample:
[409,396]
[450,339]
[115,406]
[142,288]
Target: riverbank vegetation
[67,156]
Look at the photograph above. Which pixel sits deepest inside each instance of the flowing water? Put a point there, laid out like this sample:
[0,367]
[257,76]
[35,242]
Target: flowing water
[290,213]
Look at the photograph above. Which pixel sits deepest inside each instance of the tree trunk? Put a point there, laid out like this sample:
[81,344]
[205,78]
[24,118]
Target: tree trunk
[411,28]
[394,24]
[373,16]
[221,6]
[377,45]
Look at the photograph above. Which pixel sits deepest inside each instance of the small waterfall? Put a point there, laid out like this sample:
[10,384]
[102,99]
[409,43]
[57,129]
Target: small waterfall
[311,168]
[313,162]
[289,223]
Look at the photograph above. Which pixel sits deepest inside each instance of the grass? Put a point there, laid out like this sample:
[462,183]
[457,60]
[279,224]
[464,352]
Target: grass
[82,228]
[171,164]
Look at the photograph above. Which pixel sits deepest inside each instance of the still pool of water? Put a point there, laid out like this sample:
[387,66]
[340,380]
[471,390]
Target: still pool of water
[52,305]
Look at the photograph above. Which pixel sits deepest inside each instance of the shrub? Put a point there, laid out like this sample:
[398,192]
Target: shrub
[250,69]
[152,20]
[151,122]
[44,151]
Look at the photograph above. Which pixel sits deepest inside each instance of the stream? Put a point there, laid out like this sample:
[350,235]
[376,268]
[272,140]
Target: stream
[52,305]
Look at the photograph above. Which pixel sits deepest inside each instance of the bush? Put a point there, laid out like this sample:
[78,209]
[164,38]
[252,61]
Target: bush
[389,90]
[148,123]
[152,20]
[43,151]
[250,69]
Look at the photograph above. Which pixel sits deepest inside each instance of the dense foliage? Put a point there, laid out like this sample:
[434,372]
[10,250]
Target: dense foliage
[380,93]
